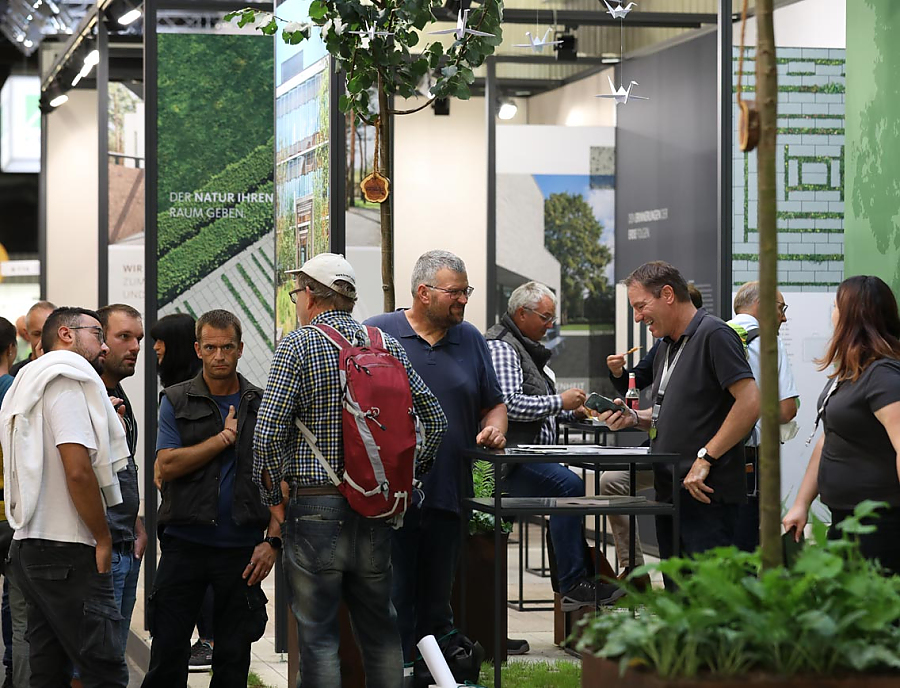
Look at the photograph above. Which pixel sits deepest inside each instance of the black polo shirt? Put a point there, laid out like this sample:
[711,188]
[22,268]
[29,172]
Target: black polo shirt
[696,403]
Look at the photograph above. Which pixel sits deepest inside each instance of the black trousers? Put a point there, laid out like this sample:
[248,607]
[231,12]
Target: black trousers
[185,570]
[883,544]
[72,615]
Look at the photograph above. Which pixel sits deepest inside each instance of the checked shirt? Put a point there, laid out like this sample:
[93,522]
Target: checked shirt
[304,381]
[520,406]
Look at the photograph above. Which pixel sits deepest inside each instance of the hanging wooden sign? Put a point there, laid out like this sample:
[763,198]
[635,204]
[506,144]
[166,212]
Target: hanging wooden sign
[748,120]
[375,188]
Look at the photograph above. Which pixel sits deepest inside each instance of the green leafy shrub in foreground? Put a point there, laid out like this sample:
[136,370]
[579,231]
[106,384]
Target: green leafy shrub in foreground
[833,611]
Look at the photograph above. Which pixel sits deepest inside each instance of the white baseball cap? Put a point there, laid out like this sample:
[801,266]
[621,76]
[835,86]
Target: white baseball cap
[328,269]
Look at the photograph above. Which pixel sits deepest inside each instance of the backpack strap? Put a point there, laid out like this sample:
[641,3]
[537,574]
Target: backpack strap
[376,339]
[752,334]
[311,441]
[340,341]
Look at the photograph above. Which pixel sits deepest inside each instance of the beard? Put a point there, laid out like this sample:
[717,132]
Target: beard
[96,362]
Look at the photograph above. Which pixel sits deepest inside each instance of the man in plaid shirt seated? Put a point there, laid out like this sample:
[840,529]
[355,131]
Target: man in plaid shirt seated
[533,407]
[330,552]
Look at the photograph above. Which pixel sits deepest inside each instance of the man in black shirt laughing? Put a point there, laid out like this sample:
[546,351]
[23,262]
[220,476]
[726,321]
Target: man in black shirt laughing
[705,402]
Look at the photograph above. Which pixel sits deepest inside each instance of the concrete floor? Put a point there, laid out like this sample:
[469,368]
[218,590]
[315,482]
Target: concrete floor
[534,626]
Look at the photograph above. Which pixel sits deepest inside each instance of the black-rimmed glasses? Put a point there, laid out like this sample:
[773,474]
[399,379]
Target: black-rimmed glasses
[293,295]
[455,293]
[98,331]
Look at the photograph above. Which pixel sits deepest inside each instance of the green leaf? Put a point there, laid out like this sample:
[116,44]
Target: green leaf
[317,10]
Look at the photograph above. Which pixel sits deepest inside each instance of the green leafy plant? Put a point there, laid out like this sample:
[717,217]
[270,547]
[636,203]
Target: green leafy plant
[380,67]
[833,611]
[483,482]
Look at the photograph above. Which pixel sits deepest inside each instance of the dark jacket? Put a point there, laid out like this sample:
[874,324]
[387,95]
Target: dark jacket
[533,356]
[192,499]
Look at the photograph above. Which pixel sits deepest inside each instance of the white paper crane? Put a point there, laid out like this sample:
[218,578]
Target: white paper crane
[537,45]
[370,32]
[619,12]
[461,29]
[621,94]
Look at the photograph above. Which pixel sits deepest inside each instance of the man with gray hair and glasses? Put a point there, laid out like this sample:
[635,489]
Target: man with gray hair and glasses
[453,360]
[534,407]
[746,323]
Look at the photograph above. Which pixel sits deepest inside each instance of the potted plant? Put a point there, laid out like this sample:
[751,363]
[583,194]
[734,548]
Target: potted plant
[831,619]
[480,565]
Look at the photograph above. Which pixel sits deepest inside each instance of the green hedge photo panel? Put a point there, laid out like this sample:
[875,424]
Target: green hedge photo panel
[215,229]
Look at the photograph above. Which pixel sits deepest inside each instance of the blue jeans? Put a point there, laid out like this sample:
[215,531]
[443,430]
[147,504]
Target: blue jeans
[426,556]
[553,480]
[332,553]
[126,570]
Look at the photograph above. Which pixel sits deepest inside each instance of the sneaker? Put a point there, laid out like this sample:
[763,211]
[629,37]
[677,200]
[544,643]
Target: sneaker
[201,656]
[517,646]
[587,593]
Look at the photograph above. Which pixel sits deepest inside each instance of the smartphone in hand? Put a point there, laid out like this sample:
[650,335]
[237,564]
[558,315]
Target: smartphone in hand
[599,403]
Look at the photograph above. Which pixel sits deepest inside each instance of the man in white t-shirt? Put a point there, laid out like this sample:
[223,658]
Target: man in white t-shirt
[61,553]
[746,308]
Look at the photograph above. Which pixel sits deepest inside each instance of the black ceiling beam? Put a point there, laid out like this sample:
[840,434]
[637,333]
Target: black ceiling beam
[573,18]
[551,60]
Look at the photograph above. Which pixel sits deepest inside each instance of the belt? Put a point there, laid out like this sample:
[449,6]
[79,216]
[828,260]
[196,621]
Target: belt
[313,491]
[751,456]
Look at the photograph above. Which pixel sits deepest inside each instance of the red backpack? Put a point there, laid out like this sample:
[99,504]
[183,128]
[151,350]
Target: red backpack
[381,432]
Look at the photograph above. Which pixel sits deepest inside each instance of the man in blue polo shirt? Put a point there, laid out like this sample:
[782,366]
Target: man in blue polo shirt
[452,358]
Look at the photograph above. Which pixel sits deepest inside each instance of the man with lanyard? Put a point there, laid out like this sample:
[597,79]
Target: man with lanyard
[746,322]
[705,404]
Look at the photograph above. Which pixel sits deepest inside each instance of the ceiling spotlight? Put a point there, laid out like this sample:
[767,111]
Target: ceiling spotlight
[92,58]
[59,100]
[130,17]
[567,50]
[28,43]
[506,108]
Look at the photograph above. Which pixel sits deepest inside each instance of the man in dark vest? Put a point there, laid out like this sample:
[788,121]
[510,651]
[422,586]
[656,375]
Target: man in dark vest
[534,407]
[212,512]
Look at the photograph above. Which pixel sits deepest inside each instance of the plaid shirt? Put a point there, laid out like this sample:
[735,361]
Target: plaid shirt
[520,406]
[304,381]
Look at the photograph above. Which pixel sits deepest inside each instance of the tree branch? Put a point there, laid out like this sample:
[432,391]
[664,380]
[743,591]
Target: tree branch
[414,110]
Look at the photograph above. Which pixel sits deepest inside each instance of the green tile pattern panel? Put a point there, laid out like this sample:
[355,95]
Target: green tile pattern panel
[809,172]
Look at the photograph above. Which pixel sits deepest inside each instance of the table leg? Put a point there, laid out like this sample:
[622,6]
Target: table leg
[499,573]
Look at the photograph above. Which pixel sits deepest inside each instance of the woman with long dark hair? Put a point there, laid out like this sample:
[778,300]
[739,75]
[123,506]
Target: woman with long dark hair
[176,358]
[858,456]
[173,341]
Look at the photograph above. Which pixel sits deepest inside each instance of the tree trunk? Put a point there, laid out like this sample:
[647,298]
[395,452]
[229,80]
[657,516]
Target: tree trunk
[387,217]
[769,459]
[351,168]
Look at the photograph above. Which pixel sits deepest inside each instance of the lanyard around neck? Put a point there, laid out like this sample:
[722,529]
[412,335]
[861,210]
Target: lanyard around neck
[668,369]
[821,409]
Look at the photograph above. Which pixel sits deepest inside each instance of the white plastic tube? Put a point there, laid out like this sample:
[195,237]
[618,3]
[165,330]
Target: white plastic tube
[437,665]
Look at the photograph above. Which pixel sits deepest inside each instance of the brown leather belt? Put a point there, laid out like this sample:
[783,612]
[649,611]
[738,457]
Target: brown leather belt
[313,491]
[751,456]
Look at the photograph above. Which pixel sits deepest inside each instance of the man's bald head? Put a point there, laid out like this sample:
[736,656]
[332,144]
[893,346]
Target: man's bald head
[34,322]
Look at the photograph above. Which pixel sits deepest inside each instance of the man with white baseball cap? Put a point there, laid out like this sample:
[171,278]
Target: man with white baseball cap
[331,552]
[330,270]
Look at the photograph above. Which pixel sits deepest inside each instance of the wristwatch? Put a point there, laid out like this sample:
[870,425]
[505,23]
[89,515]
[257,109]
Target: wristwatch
[705,455]
[274,542]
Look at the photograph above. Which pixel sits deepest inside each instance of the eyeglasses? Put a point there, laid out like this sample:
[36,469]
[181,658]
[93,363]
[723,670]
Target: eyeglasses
[454,293]
[293,295]
[546,319]
[782,308]
[98,331]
